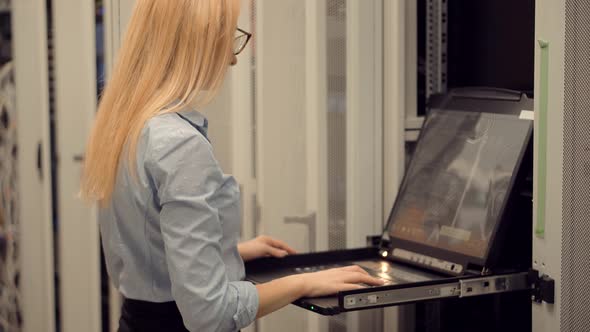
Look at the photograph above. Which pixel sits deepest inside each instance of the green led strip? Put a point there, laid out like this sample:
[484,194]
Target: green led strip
[540,200]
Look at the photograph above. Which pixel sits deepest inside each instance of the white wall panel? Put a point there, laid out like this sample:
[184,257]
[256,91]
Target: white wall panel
[32,101]
[75,105]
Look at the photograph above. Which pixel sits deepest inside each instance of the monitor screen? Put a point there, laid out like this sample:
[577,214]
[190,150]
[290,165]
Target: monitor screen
[458,180]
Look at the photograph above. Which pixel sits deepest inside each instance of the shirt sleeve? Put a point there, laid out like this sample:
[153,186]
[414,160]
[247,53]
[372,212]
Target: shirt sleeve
[188,178]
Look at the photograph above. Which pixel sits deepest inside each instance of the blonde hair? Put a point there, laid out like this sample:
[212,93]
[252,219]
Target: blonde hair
[175,52]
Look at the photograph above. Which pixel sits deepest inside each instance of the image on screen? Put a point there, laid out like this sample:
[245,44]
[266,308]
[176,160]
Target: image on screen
[458,180]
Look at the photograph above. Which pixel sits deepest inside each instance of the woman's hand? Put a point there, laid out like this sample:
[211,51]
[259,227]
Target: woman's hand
[280,292]
[332,281]
[264,246]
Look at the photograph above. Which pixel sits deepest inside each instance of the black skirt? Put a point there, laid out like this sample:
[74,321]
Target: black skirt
[142,316]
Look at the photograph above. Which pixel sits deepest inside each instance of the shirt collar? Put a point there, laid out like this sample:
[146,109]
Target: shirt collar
[196,118]
[190,113]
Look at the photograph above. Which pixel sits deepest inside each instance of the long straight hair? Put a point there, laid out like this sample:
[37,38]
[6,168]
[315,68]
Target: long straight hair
[175,52]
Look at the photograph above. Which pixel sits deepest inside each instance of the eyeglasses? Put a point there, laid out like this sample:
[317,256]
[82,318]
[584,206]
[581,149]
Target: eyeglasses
[241,41]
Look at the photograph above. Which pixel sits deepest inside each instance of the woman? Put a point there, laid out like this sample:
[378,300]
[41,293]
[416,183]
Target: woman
[169,217]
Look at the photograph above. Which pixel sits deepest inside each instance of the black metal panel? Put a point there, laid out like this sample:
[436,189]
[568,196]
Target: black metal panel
[491,313]
[491,43]
[265,265]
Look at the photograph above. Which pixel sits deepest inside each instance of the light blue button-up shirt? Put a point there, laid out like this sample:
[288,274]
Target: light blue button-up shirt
[172,233]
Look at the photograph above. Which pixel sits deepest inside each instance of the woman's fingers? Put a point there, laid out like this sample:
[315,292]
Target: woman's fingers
[335,280]
[281,245]
[369,280]
[347,287]
[354,268]
[279,253]
[362,278]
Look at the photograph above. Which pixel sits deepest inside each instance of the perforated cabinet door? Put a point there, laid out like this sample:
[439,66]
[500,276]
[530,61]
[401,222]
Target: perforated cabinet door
[290,133]
[318,133]
[562,182]
[32,124]
[562,239]
[575,247]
